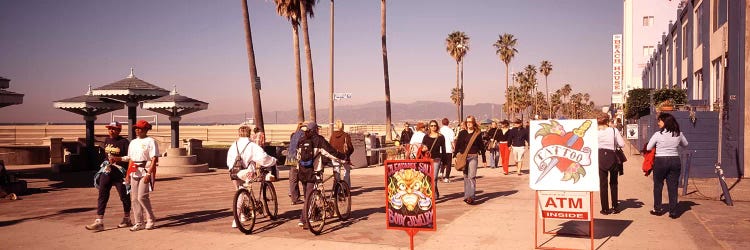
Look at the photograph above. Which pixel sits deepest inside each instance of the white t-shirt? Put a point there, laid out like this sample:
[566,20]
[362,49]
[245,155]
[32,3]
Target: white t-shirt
[253,153]
[140,150]
[417,138]
[449,137]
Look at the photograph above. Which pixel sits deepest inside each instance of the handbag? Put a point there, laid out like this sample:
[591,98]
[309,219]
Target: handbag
[492,144]
[237,163]
[618,150]
[461,157]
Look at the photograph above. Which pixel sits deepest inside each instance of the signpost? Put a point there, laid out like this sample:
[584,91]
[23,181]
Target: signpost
[410,196]
[564,167]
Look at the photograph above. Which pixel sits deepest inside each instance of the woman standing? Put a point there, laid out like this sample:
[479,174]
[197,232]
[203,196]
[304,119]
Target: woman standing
[434,142]
[342,142]
[503,141]
[667,162]
[609,167]
[475,150]
[143,153]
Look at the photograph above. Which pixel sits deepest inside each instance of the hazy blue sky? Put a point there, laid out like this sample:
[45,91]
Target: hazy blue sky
[53,49]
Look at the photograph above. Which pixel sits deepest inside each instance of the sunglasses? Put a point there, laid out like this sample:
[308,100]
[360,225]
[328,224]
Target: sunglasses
[433,125]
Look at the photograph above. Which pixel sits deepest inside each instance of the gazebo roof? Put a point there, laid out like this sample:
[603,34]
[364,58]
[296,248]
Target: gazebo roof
[88,104]
[174,104]
[8,98]
[130,89]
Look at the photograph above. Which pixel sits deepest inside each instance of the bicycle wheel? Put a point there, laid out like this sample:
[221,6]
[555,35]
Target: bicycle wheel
[244,211]
[270,203]
[343,199]
[316,212]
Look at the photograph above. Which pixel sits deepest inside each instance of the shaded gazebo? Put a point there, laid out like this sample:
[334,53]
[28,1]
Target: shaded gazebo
[130,91]
[175,106]
[8,98]
[89,106]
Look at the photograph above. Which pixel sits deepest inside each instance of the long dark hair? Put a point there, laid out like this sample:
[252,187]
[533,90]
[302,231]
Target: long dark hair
[670,124]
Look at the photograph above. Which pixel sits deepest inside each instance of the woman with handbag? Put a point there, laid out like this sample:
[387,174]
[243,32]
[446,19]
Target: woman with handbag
[434,143]
[468,148]
[609,163]
[493,138]
[667,164]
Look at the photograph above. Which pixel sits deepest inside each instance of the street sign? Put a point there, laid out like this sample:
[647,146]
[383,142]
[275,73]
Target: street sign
[339,96]
[257,82]
[631,131]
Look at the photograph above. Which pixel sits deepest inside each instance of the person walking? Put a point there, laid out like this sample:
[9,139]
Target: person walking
[250,153]
[292,159]
[142,153]
[492,137]
[406,134]
[609,165]
[503,144]
[476,149]
[259,137]
[434,142]
[667,164]
[416,140]
[342,142]
[313,152]
[518,138]
[450,144]
[113,174]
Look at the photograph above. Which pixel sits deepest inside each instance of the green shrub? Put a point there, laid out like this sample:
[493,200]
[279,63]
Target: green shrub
[638,103]
[677,96]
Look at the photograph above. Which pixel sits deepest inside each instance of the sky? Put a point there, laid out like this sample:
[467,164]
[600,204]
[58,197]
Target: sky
[52,50]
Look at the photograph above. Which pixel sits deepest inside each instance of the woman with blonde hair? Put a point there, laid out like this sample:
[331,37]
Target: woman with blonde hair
[475,149]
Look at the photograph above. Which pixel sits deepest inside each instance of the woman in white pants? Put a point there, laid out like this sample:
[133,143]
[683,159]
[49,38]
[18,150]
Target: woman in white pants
[142,153]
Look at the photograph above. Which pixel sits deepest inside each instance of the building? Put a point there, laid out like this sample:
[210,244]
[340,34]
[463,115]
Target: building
[643,24]
[704,52]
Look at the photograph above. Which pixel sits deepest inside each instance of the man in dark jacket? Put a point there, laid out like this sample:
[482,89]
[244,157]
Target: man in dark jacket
[518,138]
[406,134]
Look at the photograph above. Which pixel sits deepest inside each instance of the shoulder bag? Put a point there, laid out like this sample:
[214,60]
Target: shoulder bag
[461,156]
[618,150]
[492,144]
[237,163]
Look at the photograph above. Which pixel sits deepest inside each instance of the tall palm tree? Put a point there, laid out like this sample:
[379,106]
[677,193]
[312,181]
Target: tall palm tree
[546,69]
[257,108]
[330,85]
[304,8]
[457,44]
[291,11]
[456,99]
[506,49]
[555,102]
[565,92]
[388,134]
[530,72]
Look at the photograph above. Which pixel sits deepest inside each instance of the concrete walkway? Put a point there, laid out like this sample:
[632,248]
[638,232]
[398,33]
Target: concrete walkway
[193,212]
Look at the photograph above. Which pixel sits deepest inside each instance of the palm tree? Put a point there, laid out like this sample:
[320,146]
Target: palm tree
[546,68]
[291,11]
[257,108]
[305,6]
[565,92]
[506,49]
[555,102]
[456,99]
[330,85]
[530,72]
[388,135]
[457,44]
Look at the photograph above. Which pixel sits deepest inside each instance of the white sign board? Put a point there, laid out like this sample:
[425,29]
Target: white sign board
[339,96]
[565,205]
[564,155]
[617,89]
[631,131]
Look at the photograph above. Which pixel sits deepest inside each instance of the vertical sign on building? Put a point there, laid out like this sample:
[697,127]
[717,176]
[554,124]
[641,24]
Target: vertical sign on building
[617,88]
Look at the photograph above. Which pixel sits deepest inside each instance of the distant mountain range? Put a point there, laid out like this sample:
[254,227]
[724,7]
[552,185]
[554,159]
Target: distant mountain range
[369,113]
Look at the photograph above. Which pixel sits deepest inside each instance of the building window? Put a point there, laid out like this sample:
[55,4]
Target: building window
[648,51]
[699,25]
[685,39]
[716,75]
[683,84]
[648,21]
[698,85]
[720,13]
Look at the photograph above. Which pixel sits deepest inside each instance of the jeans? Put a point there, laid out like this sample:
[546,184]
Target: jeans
[140,199]
[666,167]
[494,157]
[106,181]
[293,183]
[470,175]
[447,162]
[436,163]
[308,188]
[610,174]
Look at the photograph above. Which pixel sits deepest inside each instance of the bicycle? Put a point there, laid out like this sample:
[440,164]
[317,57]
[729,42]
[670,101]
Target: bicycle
[246,206]
[322,206]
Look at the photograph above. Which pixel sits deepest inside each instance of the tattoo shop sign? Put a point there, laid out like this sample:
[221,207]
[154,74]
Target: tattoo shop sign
[409,193]
[563,155]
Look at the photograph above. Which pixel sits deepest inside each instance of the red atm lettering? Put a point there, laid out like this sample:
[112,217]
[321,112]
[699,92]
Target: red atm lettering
[560,203]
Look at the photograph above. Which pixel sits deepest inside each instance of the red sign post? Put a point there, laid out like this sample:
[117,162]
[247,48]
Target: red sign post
[410,196]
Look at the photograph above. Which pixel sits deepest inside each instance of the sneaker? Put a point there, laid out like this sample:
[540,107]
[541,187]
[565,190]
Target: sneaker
[656,212]
[125,223]
[446,180]
[300,224]
[150,225]
[137,226]
[96,226]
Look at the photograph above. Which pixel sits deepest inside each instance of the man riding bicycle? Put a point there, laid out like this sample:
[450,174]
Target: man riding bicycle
[313,152]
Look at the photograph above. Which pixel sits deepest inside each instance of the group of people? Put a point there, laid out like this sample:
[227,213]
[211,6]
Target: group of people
[663,145]
[131,169]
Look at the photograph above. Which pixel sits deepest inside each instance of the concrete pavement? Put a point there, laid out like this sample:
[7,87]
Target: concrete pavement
[193,211]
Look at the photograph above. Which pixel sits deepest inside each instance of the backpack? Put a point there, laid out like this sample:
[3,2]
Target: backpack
[306,154]
[237,166]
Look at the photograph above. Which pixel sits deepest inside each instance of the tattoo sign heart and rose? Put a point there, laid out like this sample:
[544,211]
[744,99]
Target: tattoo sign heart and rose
[562,150]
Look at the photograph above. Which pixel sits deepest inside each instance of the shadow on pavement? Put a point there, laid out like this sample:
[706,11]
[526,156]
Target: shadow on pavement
[175,220]
[483,197]
[630,203]
[61,212]
[358,191]
[357,216]
[684,206]
[604,228]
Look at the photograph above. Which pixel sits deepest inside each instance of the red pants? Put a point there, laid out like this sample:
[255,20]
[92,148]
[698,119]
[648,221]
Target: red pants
[504,154]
